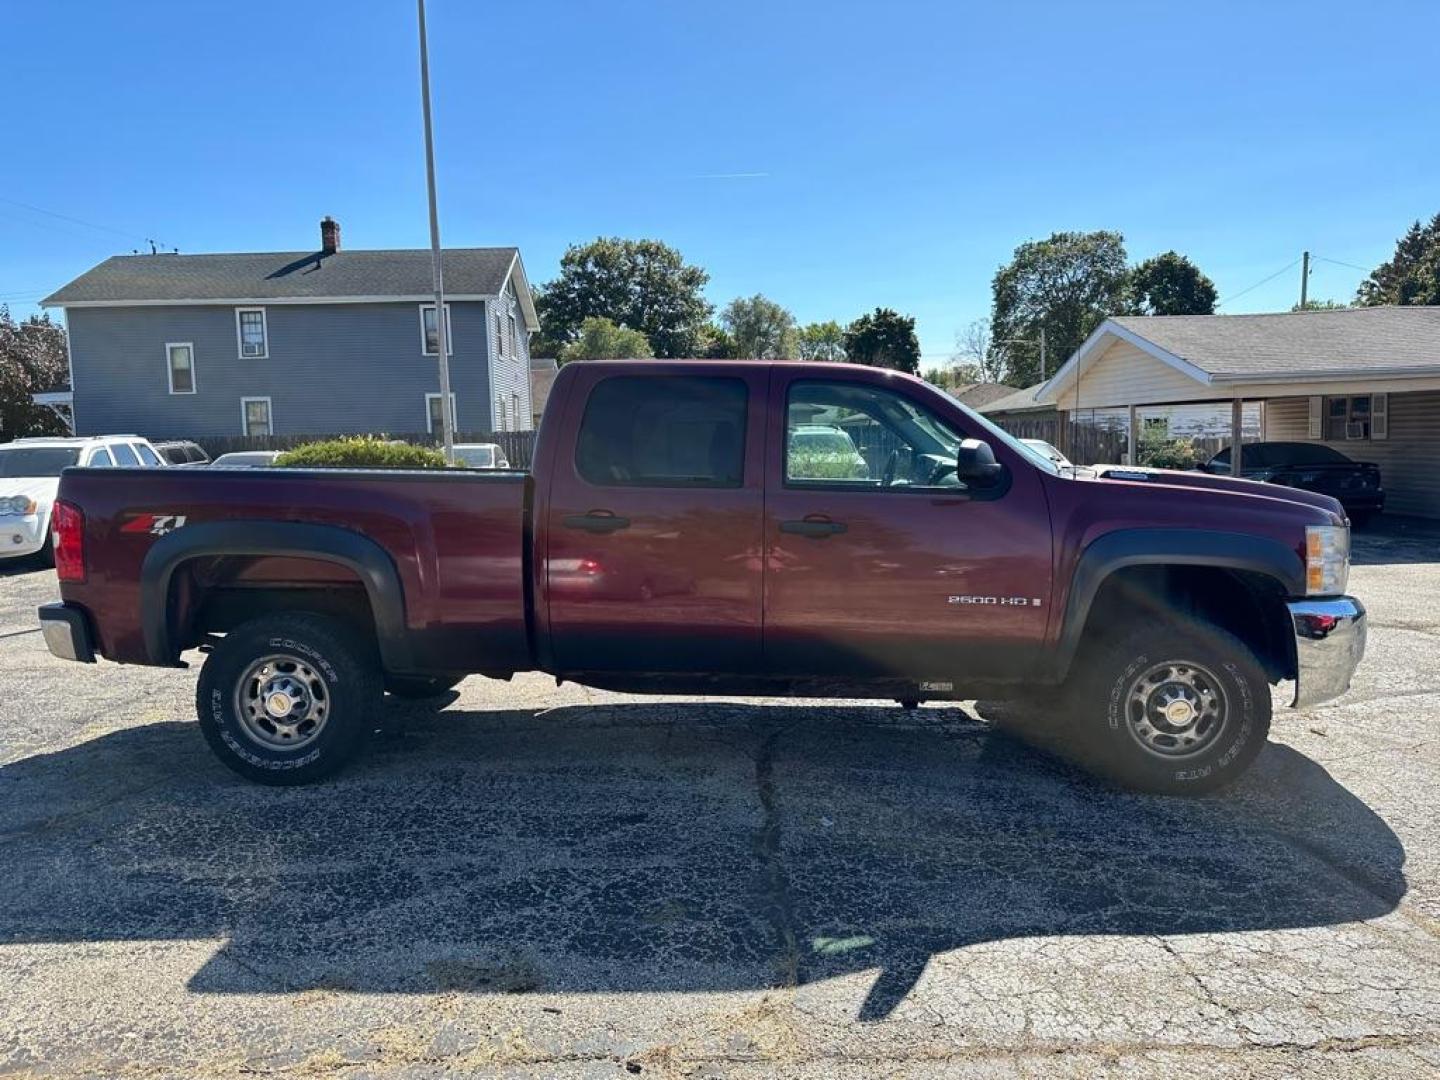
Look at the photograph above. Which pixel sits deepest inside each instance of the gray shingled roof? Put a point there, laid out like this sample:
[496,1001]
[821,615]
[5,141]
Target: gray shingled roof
[1016,401]
[978,394]
[286,275]
[1355,339]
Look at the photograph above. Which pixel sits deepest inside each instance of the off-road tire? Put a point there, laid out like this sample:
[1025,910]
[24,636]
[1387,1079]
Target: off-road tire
[1119,729]
[328,662]
[420,687]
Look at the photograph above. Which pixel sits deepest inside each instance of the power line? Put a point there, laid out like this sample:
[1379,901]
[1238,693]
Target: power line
[1337,262]
[81,221]
[1264,281]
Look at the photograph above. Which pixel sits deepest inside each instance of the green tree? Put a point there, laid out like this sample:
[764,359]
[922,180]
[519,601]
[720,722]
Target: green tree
[642,284]
[601,339]
[953,377]
[760,328]
[716,343]
[1067,284]
[1412,275]
[1170,284]
[1321,305]
[884,338]
[822,341]
[32,361]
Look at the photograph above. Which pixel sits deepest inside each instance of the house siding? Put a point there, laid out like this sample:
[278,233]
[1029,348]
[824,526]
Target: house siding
[1125,373]
[331,369]
[509,368]
[1409,459]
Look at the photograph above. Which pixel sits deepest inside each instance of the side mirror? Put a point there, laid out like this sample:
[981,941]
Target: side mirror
[975,464]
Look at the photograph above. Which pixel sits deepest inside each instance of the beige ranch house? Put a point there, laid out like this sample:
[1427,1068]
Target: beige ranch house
[1365,381]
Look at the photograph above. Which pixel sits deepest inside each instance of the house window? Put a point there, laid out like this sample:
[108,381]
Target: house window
[255,416]
[499,336]
[180,360]
[433,419]
[430,332]
[250,332]
[1347,418]
[500,414]
[514,337]
[514,412]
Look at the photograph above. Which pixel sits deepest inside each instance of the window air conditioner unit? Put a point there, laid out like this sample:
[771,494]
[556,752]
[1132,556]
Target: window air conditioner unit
[1355,429]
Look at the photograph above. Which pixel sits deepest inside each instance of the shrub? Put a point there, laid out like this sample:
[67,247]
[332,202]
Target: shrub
[361,452]
[1160,453]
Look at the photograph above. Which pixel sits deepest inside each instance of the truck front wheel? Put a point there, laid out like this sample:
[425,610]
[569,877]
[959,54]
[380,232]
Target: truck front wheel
[288,699]
[1172,711]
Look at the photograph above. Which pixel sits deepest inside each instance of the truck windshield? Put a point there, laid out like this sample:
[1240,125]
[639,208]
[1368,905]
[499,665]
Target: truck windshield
[36,460]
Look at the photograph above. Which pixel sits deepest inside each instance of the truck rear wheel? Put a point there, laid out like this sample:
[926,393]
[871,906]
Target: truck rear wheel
[288,699]
[1171,711]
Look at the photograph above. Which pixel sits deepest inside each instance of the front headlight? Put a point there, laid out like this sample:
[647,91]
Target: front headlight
[1327,559]
[17,504]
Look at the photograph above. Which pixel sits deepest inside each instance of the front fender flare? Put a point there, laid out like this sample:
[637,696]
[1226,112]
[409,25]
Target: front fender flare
[1168,547]
[367,559]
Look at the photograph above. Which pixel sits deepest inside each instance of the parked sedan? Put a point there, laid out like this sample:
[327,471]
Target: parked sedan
[246,459]
[1312,467]
[480,455]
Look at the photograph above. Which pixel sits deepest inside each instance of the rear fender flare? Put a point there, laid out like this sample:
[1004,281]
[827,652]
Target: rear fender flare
[367,559]
[1168,547]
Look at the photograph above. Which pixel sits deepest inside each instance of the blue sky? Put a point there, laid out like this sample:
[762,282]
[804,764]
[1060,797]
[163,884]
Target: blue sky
[834,156]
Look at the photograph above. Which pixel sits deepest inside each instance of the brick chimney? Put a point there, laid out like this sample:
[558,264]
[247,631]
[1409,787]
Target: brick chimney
[329,235]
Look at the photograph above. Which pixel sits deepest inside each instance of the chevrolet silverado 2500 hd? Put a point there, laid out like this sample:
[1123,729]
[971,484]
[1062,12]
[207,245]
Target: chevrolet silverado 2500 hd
[679,532]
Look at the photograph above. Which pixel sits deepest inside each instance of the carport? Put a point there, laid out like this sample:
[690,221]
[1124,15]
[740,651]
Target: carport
[1364,380]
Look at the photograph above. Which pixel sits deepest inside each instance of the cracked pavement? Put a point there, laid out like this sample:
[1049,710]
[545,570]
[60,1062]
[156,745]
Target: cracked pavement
[536,881]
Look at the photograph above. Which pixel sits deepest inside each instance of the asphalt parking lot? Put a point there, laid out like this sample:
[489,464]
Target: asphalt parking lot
[565,882]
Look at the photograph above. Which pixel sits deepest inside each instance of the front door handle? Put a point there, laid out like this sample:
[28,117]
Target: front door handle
[597,521]
[815,528]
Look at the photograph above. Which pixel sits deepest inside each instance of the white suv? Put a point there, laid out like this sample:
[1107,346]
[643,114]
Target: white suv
[30,476]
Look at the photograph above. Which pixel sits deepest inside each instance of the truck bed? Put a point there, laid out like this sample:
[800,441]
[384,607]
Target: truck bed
[457,541]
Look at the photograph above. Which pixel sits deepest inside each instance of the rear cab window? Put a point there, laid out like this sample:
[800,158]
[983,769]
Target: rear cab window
[664,431]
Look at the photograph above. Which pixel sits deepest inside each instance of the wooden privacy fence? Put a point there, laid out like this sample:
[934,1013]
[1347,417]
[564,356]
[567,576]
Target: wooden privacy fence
[519,446]
[1092,444]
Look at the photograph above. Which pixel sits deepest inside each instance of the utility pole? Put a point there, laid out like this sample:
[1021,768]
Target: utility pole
[1304,279]
[442,331]
[1027,341]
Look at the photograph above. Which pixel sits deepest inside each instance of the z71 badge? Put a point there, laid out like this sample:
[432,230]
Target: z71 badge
[153,524]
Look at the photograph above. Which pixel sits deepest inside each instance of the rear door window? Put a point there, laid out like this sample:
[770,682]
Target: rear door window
[125,457]
[664,431]
[147,455]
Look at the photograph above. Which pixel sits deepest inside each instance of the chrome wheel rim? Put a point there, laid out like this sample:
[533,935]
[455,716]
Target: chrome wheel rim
[1176,709]
[282,702]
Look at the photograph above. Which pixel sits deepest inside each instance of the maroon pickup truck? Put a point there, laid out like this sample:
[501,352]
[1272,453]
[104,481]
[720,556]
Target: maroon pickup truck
[731,528]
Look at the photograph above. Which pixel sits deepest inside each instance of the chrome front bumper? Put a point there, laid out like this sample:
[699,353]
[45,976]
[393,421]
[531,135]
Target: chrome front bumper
[1329,641]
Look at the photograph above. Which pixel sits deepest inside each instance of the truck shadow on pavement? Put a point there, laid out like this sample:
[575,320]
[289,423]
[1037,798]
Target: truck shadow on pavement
[653,847]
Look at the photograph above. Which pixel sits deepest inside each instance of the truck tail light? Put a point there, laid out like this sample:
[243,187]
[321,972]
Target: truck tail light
[68,523]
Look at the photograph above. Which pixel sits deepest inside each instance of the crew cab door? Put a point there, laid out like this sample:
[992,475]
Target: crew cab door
[651,539]
[880,563]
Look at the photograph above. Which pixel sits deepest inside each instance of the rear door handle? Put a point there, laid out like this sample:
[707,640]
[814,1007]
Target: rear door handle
[815,528]
[597,521]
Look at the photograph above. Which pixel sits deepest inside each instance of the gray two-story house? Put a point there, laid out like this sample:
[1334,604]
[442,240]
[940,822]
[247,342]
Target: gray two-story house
[311,343]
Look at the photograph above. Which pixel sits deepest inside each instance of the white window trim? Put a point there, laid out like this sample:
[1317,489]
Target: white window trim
[454,413]
[425,350]
[245,418]
[264,334]
[170,368]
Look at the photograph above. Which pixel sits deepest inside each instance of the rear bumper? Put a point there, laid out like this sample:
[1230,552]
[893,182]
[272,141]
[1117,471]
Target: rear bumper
[1329,642]
[67,632]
